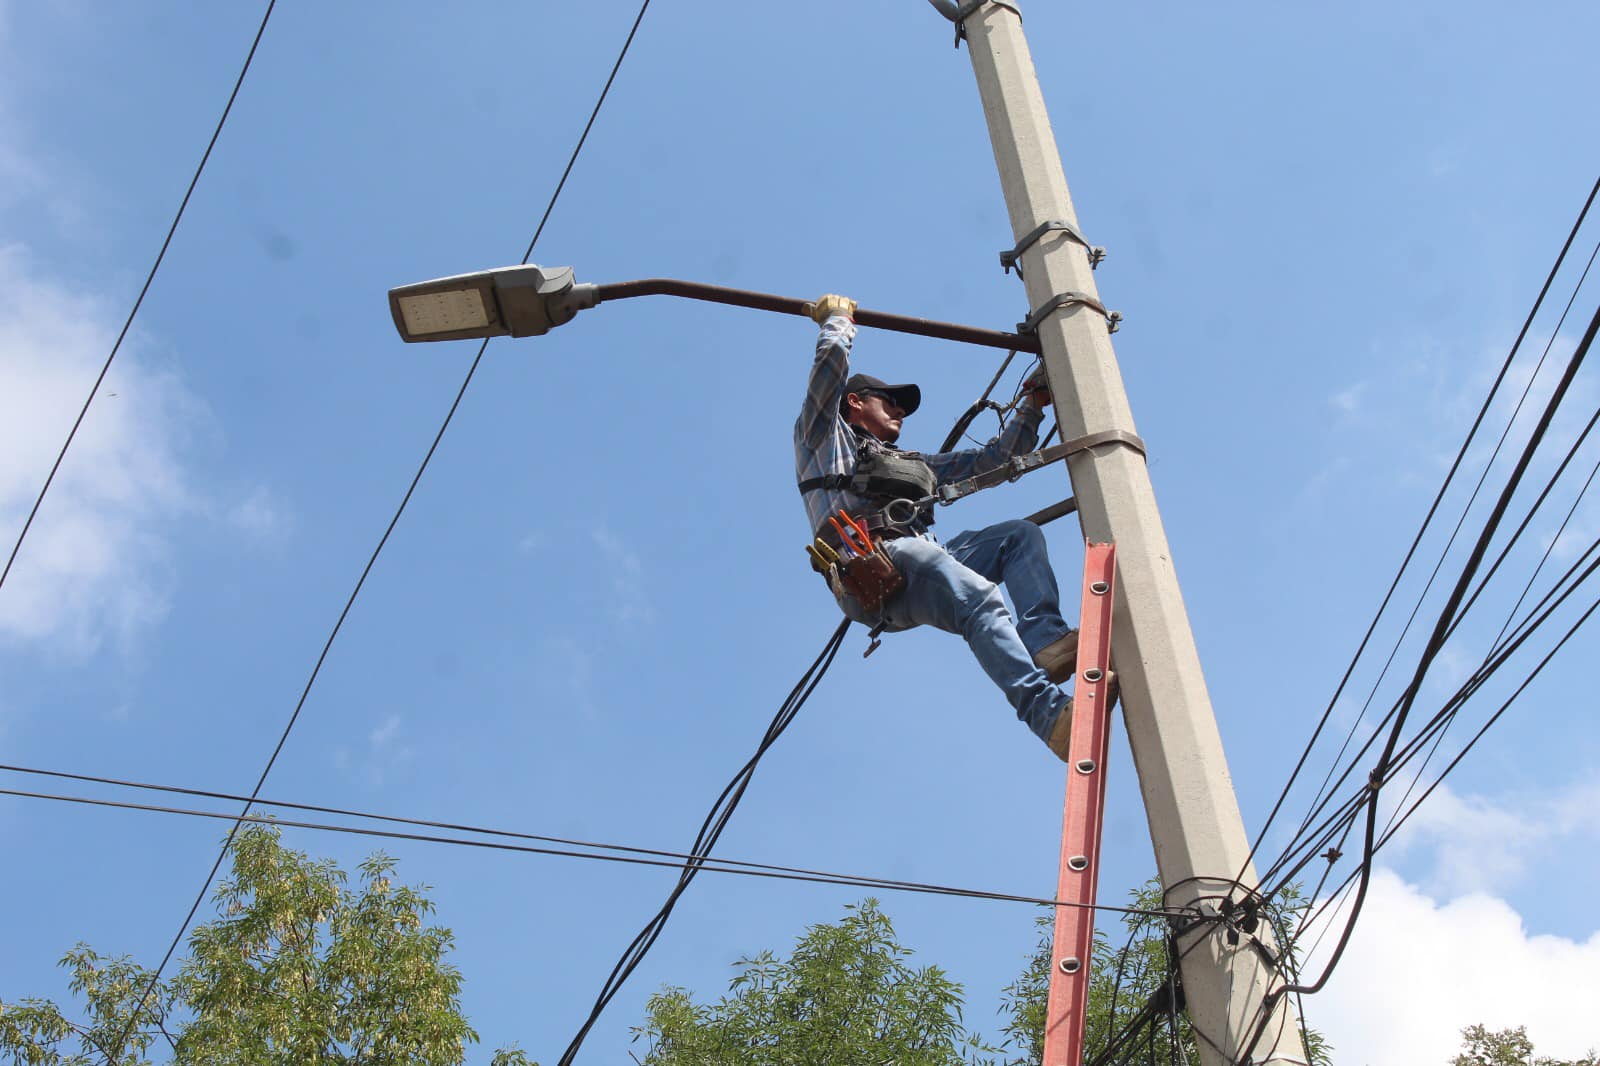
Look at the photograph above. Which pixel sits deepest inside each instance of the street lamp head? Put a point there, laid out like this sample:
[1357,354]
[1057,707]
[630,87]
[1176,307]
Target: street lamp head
[517,301]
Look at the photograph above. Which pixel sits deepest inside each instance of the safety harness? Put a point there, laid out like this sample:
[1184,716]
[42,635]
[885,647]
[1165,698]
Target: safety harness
[885,476]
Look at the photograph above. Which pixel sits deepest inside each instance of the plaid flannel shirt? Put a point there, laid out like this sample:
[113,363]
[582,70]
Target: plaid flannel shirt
[824,443]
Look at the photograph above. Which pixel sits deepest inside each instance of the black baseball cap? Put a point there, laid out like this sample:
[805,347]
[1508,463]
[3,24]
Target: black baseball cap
[906,397]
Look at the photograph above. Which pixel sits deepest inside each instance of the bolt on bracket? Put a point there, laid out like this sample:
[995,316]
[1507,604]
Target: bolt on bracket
[1013,258]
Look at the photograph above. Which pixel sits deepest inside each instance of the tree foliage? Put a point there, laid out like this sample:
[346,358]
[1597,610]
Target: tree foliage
[847,993]
[1507,1047]
[298,967]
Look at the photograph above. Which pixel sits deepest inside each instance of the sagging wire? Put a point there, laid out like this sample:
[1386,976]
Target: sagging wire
[139,300]
[1538,615]
[711,829]
[1378,775]
[595,850]
[1416,542]
[1469,602]
[980,405]
[382,541]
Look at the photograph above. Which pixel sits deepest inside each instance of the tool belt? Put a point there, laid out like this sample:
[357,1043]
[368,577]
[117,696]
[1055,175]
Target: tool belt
[872,579]
[856,564]
[877,524]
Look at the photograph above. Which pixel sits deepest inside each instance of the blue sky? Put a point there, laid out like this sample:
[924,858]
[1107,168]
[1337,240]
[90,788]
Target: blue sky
[1324,233]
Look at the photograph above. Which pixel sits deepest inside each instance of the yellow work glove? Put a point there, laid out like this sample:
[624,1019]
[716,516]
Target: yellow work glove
[825,307]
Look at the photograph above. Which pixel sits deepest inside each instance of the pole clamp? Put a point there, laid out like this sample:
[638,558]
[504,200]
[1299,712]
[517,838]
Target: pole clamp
[1105,436]
[1013,258]
[1018,465]
[959,14]
[1065,299]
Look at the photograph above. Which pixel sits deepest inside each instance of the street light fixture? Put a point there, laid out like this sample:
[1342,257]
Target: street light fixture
[527,301]
[517,301]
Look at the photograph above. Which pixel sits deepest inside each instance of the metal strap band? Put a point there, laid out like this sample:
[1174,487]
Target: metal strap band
[1064,299]
[970,7]
[1105,436]
[1017,465]
[1011,259]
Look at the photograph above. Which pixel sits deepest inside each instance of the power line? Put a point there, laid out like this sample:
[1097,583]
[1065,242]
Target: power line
[1496,658]
[1477,681]
[1499,652]
[711,829]
[139,301]
[724,866]
[1295,987]
[623,853]
[1538,616]
[372,560]
[1436,642]
[1426,521]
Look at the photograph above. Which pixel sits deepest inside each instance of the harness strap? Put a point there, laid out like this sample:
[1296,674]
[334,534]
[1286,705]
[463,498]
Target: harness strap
[878,524]
[826,481]
[1018,465]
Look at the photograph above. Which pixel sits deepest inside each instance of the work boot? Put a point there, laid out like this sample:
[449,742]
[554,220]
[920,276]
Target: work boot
[1061,732]
[1059,658]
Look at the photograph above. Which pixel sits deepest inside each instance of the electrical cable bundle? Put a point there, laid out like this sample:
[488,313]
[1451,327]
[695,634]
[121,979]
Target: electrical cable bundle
[1333,816]
[710,832]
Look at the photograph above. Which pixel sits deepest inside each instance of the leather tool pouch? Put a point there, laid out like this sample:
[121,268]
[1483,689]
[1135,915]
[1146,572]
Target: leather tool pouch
[871,579]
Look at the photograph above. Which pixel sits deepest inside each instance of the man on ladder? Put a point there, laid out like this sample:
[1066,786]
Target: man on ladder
[846,460]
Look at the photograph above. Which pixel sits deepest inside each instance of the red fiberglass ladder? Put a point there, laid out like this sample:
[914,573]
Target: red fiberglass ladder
[1085,808]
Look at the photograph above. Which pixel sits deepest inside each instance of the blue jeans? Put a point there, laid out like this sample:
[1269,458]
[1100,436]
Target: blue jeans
[953,587]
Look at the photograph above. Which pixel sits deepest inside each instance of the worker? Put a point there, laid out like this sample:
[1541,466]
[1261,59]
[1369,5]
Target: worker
[845,458]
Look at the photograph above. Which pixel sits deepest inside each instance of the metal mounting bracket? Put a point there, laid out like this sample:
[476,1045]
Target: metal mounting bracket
[1018,465]
[959,15]
[1013,258]
[1064,299]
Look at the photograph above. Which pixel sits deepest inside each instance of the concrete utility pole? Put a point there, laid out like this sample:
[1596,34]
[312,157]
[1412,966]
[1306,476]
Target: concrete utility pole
[1199,836]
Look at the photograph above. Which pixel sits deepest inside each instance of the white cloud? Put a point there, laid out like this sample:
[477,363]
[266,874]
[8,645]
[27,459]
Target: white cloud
[261,516]
[1347,400]
[386,755]
[381,736]
[1433,954]
[1475,844]
[94,563]
[628,602]
[1418,970]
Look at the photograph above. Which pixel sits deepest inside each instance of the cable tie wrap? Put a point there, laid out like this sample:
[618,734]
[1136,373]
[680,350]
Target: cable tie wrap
[1013,258]
[1067,299]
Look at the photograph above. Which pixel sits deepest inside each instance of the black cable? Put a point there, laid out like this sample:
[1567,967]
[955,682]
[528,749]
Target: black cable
[1497,657]
[1436,642]
[1506,705]
[139,301]
[716,821]
[981,404]
[1427,519]
[721,866]
[624,852]
[1505,550]
[1466,509]
[1295,987]
[449,416]
[1318,802]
